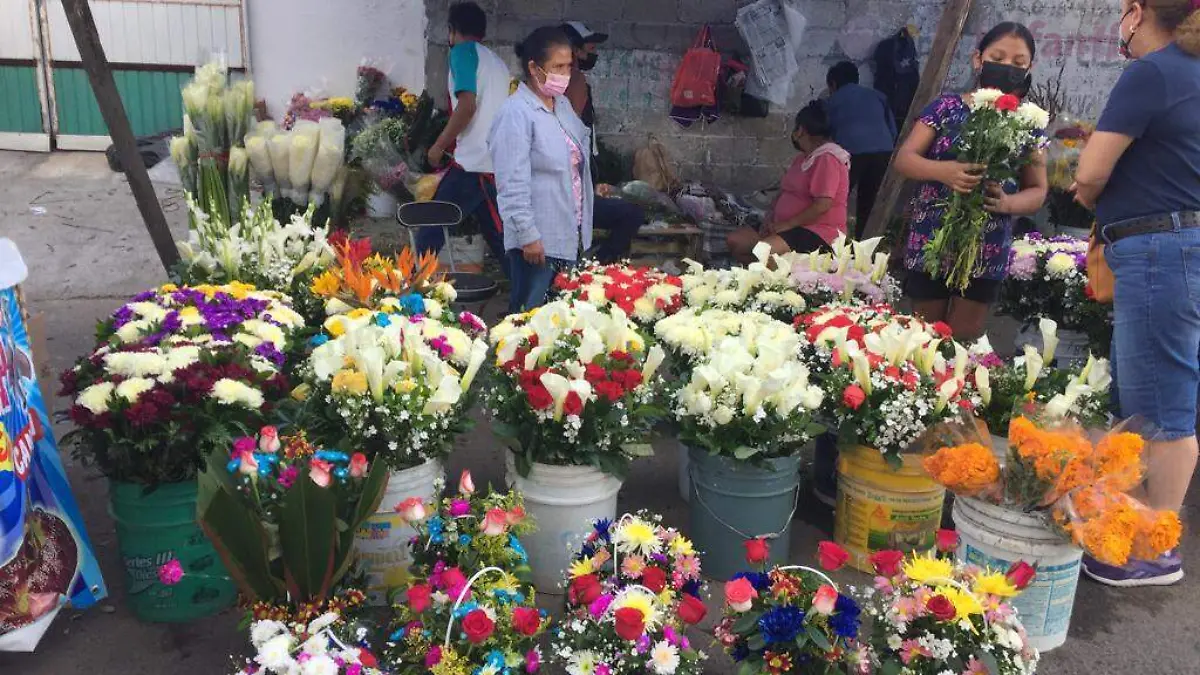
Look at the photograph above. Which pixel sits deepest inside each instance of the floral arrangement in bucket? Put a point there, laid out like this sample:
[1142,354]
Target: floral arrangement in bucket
[762,286]
[852,273]
[690,334]
[360,280]
[177,374]
[327,644]
[282,514]
[576,385]
[394,387]
[643,293]
[790,619]
[1048,278]
[470,567]
[1079,487]
[633,587]
[930,615]
[1002,134]
[887,381]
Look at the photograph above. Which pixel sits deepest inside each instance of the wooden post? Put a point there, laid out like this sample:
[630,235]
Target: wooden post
[83,27]
[945,41]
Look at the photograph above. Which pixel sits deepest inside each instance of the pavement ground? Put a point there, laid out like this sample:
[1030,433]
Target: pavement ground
[80,233]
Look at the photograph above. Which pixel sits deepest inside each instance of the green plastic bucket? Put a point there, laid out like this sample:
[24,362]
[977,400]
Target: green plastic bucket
[734,501]
[153,529]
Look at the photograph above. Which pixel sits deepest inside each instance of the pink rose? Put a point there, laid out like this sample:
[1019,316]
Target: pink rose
[247,464]
[824,600]
[412,510]
[358,465]
[268,440]
[495,523]
[740,595]
[318,471]
[466,485]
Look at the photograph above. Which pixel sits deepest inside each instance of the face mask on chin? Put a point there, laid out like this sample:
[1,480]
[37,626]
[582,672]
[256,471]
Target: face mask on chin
[1002,76]
[588,62]
[1125,45]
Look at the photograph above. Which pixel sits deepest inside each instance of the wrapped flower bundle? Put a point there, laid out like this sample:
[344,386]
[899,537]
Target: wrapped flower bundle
[576,385]
[369,78]
[762,286]
[633,588]
[178,373]
[886,378]
[789,620]
[328,645]
[1048,278]
[283,513]
[644,294]
[468,610]
[360,280]
[1067,141]
[300,165]
[852,273]
[930,616]
[395,387]
[1002,134]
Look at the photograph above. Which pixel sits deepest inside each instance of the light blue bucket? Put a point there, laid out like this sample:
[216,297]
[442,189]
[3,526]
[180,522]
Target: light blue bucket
[732,501]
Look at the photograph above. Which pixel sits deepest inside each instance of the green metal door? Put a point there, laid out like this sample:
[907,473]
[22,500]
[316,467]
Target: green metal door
[24,121]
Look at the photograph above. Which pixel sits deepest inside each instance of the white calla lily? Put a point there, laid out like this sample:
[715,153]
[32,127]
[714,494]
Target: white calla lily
[984,384]
[1049,330]
[1033,366]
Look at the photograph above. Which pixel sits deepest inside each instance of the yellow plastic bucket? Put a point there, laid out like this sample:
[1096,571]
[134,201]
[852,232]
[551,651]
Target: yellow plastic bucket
[879,508]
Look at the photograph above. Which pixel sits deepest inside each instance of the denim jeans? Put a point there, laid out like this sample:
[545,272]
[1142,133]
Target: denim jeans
[1156,329]
[622,220]
[530,283]
[475,194]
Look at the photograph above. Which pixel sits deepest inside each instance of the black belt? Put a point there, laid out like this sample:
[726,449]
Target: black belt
[1167,222]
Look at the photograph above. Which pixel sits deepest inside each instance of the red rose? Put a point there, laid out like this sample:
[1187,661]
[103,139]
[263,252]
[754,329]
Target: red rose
[584,590]
[757,551]
[941,608]
[947,541]
[477,626]
[831,556]
[418,598]
[539,397]
[526,621]
[609,391]
[1021,574]
[692,609]
[594,373]
[886,563]
[942,329]
[853,397]
[631,624]
[629,379]
[655,579]
[1008,103]
[572,405]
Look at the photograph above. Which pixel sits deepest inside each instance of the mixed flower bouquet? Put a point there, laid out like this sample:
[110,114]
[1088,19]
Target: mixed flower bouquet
[390,145]
[1002,134]
[746,393]
[328,645]
[1053,468]
[575,385]
[852,273]
[789,620]
[1048,278]
[392,386]
[360,280]
[1062,158]
[633,587]
[762,286]
[643,293]
[930,616]
[470,569]
[178,373]
[886,376]
[283,513]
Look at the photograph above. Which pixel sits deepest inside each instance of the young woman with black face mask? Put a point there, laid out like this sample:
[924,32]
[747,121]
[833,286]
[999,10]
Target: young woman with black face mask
[1002,61]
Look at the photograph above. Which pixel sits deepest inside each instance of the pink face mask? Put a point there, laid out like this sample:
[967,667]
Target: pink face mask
[554,84]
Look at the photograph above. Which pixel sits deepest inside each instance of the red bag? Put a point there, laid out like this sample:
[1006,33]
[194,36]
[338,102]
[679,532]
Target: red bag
[695,82]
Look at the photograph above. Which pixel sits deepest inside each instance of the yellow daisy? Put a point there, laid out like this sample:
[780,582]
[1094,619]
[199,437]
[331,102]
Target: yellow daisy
[636,536]
[582,567]
[995,583]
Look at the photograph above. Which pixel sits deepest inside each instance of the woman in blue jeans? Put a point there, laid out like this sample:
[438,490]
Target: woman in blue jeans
[1141,172]
[543,182]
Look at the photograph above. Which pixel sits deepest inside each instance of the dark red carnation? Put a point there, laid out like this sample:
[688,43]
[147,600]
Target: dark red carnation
[628,379]
[610,391]
[594,373]
[572,405]
[142,414]
[539,397]
[655,579]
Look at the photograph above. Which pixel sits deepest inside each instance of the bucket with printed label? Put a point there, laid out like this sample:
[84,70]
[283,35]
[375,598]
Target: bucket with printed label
[382,540]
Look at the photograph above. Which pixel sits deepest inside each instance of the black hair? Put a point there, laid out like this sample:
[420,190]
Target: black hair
[813,120]
[538,45]
[467,19]
[1009,29]
[842,74]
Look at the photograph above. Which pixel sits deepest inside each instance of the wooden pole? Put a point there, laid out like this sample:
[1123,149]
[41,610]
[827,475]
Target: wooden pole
[83,27]
[949,31]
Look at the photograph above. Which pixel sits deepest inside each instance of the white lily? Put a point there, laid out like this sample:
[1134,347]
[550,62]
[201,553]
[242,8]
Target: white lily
[654,359]
[928,357]
[960,361]
[479,351]
[1049,329]
[862,371]
[983,382]
[1033,366]
[1099,376]
[945,392]
[447,394]
[863,250]
[1060,405]
[370,360]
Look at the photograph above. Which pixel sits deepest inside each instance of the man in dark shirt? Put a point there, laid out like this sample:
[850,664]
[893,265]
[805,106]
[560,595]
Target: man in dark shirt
[864,126]
[619,218]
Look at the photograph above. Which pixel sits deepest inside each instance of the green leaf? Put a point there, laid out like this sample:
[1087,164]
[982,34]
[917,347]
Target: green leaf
[989,661]
[890,668]
[817,637]
[756,643]
[307,535]
[524,465]
[894,461]
[744,452]
[504,431]
[638,449]
[746,623]
[238,538]
[747,669]
[802,640]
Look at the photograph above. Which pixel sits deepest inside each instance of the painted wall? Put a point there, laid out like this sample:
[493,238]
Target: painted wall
[316,45]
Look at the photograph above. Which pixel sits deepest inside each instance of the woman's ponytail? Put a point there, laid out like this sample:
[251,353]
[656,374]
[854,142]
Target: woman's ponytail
[1182,19]
[1187,36]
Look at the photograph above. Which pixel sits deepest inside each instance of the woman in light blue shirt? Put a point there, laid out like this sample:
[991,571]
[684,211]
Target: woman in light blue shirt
[543,181]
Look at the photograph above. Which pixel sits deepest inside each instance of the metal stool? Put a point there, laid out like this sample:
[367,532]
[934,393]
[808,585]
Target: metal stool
[413,216]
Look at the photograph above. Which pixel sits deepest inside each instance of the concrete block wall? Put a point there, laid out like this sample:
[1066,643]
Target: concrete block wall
[632,80]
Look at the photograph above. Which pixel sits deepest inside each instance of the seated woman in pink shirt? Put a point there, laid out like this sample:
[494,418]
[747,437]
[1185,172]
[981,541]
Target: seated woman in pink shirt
[810,211]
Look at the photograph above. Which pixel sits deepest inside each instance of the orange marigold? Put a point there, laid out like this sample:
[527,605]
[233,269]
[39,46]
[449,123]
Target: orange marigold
[965,469]
[1158,532]
[1118,460]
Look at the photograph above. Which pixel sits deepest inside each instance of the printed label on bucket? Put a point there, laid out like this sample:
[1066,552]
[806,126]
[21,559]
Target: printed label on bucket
[1045,606]
[204,589]
[382,545]
[875,522]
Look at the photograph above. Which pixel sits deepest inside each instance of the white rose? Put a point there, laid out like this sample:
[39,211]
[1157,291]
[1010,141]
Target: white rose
[433,308]
[134,387]
[95,398]
[722,414]
[232,392]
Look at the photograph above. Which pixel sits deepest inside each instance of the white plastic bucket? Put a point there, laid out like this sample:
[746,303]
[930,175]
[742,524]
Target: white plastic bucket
[382,541]
[564,501]
[995,537]
[685,478]
[1072,351]
[382,205]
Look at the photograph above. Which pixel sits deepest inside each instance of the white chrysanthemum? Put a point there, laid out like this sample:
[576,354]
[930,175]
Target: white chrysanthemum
[134,387]
[247,339]
[132,331]
[181,357]
[95,398]
[1033,115]
[322,664]
[232,392]
[148,311]
[1060,265]
[276,654]
[433,308]
[664,658]
[583,662]
[266,331]
[135,364]
[985,98]
[262,631]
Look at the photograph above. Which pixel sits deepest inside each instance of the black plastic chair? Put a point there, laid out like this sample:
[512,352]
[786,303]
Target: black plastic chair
[415,216]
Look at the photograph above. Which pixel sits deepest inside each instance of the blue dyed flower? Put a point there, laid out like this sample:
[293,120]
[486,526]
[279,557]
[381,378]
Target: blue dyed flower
[412,303]
[335,456]
[465,609]
[740,652]
[515,545]
[602,527]
[845,619]
[397,635]
[464,540]
[382,320]
[318,340]
[781,625]
[692,587]
[759,580]
[495,659]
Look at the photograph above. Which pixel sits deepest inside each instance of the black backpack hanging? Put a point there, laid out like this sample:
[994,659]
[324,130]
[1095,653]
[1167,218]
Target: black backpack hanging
[898,72]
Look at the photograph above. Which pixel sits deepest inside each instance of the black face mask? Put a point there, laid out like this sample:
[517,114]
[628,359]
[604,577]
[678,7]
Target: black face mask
[1002,76]
[588,62]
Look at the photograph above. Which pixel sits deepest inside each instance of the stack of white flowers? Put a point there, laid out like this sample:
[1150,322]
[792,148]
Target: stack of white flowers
[694,333]
[764,285]
[312,649]
[851,272]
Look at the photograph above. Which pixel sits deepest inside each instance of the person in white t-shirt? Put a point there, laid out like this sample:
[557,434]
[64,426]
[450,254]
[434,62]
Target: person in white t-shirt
[479,82]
